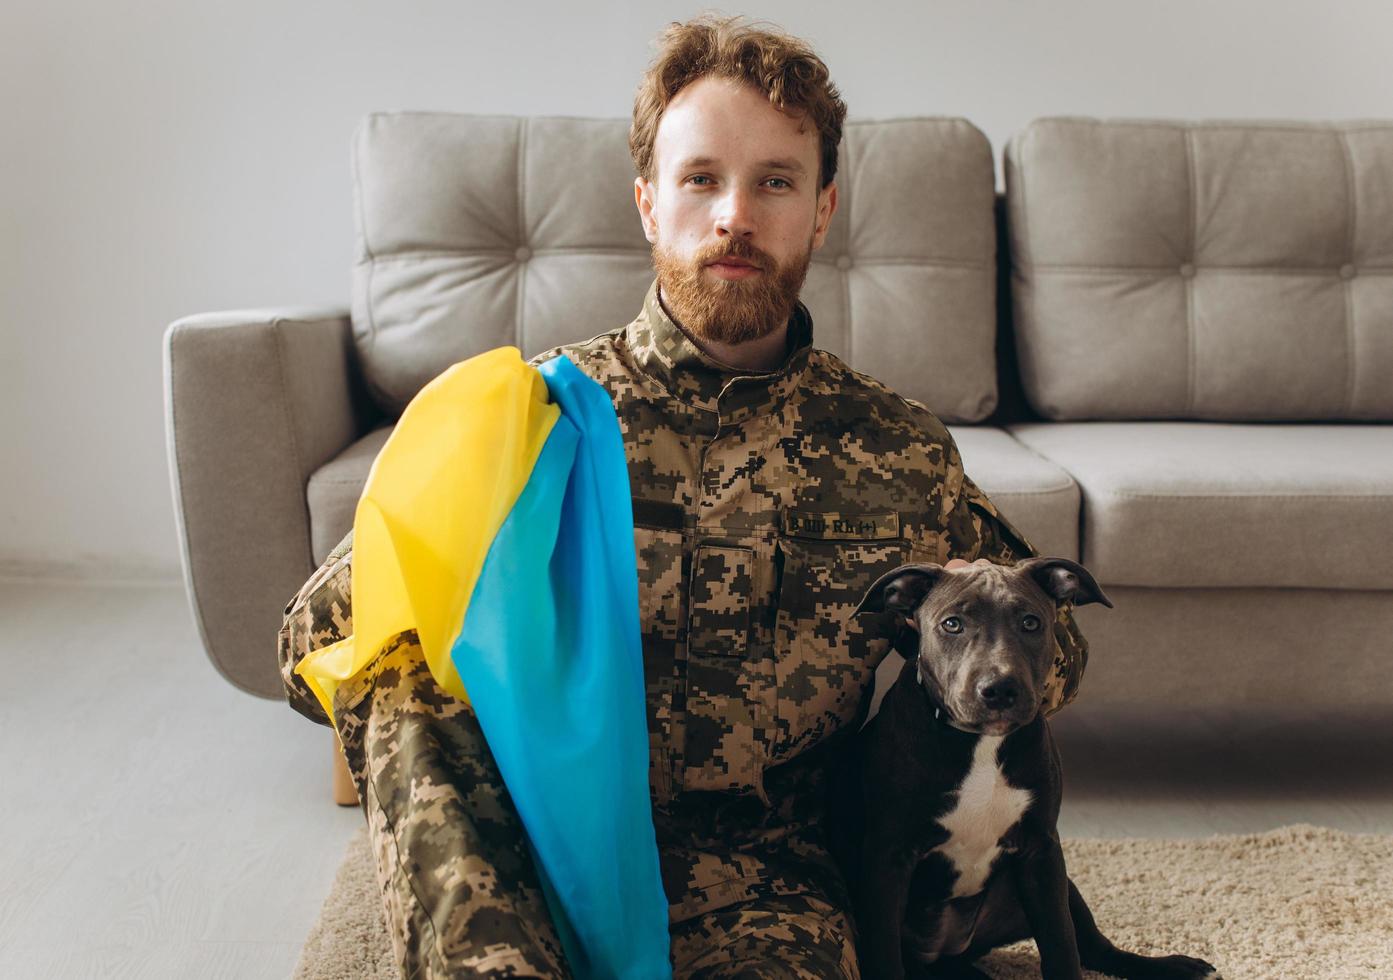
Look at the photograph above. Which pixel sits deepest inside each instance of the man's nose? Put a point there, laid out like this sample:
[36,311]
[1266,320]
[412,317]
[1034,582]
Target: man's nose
[735,216]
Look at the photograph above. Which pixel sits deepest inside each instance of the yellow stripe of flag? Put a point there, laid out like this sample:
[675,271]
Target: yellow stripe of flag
[437,494]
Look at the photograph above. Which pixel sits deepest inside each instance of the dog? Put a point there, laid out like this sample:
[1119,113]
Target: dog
[943,812]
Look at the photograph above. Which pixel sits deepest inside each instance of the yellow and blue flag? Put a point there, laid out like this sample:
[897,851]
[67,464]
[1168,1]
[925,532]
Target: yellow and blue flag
[496,522]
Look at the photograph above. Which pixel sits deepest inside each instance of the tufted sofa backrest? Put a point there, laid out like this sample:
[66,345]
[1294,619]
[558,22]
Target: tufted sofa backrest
[475,232]
[1208,270]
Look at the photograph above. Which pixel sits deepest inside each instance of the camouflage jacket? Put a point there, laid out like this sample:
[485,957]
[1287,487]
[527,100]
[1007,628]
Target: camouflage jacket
[764,505]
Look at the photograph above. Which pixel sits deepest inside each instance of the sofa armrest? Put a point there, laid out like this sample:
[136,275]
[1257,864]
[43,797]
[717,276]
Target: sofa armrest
[255,401]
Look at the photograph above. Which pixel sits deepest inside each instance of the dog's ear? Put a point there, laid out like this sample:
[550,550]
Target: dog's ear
[1064,580]
[900,590]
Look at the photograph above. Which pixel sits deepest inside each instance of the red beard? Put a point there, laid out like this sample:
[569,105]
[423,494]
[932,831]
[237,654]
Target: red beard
[729,311]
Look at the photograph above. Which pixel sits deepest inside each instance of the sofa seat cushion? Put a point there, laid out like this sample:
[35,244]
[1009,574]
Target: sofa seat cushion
[334,489]
[1034,494]
[1213,504]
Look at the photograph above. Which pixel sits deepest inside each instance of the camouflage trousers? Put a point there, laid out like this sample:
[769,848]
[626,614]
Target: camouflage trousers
[460,892]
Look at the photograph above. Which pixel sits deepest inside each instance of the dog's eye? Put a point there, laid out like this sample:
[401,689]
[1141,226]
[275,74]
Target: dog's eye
[953,624]
[1030,623]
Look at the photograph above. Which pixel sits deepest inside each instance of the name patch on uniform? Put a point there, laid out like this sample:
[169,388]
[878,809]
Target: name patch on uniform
[830,526]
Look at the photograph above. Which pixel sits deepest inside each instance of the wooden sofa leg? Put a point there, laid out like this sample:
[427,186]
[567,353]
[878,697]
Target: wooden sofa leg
[345,793]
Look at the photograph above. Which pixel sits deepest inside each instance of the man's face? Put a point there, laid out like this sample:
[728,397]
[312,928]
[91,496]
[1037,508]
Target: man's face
[735,179]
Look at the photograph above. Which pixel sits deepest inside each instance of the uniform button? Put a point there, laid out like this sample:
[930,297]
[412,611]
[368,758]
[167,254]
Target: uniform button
[1346,272]
[1187,270]
[523,253]
[843,261]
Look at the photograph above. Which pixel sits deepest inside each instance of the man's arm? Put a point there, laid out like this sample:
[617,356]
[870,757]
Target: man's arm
[982,532]
[319,614]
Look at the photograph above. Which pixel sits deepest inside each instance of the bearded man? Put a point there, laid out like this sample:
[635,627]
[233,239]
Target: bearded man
[771,485]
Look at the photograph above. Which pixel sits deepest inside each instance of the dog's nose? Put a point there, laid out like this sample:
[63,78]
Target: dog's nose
[999,693]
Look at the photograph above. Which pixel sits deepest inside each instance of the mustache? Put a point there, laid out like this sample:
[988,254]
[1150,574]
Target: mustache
[736,249]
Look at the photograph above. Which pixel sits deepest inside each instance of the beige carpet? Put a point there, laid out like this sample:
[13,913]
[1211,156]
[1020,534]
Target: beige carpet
[1299,903]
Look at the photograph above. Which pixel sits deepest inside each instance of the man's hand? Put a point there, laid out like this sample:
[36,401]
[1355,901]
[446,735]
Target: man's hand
[956,563]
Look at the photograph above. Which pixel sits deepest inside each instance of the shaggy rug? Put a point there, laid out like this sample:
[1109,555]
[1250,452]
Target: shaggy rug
[1290,904]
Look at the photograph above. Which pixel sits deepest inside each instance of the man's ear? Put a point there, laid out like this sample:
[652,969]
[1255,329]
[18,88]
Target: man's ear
[900,590]
[1064,580]
[826,207]
[643,198]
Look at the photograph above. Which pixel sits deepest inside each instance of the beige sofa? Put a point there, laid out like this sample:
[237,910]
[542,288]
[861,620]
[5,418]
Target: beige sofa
[1167,351]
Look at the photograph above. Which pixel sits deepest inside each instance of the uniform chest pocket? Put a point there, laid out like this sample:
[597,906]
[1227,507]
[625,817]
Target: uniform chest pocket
[825,659]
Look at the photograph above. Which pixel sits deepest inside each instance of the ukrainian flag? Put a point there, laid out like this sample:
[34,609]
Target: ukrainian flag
[496,522]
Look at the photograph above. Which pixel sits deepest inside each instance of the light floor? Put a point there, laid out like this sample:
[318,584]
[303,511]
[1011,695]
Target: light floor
[157,822]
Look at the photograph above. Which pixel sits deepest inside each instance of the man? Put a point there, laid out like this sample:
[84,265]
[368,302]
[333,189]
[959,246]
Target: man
[771,485]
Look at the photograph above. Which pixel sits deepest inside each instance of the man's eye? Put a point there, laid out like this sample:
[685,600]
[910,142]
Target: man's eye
[697,177]
[953,624]
[780,180]
[1030,623]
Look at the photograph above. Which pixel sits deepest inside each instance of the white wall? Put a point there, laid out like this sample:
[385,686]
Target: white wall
[159,159]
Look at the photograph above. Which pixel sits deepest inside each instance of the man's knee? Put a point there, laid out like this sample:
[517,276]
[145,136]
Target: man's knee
[460,890]
[792,937]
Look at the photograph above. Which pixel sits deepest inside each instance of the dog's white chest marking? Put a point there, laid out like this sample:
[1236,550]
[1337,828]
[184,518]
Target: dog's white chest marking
[987,808]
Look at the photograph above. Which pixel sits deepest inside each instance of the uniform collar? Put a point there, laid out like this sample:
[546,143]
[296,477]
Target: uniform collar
[665,353]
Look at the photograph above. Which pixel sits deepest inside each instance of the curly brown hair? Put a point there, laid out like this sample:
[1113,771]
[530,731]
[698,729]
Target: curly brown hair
[781,66]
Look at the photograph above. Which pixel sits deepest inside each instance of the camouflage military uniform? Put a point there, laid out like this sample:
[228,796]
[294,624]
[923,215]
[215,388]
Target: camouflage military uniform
[764,505]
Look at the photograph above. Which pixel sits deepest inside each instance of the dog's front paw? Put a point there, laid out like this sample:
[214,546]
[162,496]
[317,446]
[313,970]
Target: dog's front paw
[1184,968]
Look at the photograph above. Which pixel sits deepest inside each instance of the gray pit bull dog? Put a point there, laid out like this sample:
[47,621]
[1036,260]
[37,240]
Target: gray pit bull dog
[944,808]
